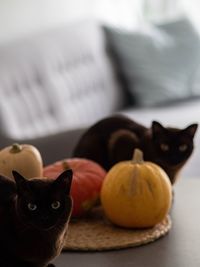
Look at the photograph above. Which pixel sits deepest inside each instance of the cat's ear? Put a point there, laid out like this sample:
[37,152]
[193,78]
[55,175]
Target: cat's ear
[191,129]
[157,128]
[20,181]
[64,180]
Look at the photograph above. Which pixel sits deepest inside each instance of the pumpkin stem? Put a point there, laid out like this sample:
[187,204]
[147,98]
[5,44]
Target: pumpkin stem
[137,156]
[16,148]
[65,165]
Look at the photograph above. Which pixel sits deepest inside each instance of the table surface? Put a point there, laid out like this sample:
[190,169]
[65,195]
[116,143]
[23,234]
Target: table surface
[179,248]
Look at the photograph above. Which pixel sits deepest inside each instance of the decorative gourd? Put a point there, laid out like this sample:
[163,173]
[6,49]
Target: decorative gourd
[136,194]
[24,158]
[86,183]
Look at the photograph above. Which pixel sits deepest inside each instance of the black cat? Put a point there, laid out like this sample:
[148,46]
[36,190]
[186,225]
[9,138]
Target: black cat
[34,216]
[113,139]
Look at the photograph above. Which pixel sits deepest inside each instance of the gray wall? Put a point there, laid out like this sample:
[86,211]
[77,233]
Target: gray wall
[19,17]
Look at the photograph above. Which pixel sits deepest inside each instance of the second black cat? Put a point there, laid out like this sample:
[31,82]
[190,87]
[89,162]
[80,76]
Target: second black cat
[34,216]
[113,139]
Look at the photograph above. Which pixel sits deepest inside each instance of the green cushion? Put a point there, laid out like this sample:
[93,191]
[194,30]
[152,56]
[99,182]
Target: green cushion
[160,62]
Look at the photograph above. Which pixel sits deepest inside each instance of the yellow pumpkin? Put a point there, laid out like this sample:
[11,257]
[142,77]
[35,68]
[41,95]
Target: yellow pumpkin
[136,194]
[24,158]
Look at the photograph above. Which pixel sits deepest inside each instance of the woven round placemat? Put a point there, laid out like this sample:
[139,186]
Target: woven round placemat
[96,233]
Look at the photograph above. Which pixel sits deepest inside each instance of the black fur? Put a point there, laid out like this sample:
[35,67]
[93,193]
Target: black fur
[34,216]
[114,139]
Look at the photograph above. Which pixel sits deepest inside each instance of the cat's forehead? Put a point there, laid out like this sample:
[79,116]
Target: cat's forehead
[39,190]
[173,135]
[40,184]
[173,130]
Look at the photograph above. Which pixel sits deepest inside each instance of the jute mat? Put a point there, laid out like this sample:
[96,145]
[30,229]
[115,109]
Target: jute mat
[96,233]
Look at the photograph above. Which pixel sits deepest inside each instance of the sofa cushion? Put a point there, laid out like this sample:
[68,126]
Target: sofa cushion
[56,80]
[160,62]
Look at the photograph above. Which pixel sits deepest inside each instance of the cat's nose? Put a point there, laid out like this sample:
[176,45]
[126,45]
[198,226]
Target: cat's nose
[175,160]
[44,217]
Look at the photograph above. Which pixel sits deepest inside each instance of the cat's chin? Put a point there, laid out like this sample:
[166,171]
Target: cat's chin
[175,165]
[41,227]
[170,165]
[45,228]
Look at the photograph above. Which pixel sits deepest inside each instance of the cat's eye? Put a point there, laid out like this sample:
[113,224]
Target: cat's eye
[183,147]
[55,205]
[164,147]
[32,206]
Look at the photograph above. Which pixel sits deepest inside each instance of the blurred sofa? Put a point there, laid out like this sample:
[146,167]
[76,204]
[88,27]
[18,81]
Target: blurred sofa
[56,84]
[53,83]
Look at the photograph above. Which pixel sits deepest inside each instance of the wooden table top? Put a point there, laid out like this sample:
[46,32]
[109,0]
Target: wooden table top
[180,248]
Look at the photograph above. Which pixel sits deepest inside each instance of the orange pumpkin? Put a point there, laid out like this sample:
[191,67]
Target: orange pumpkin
[86,183]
